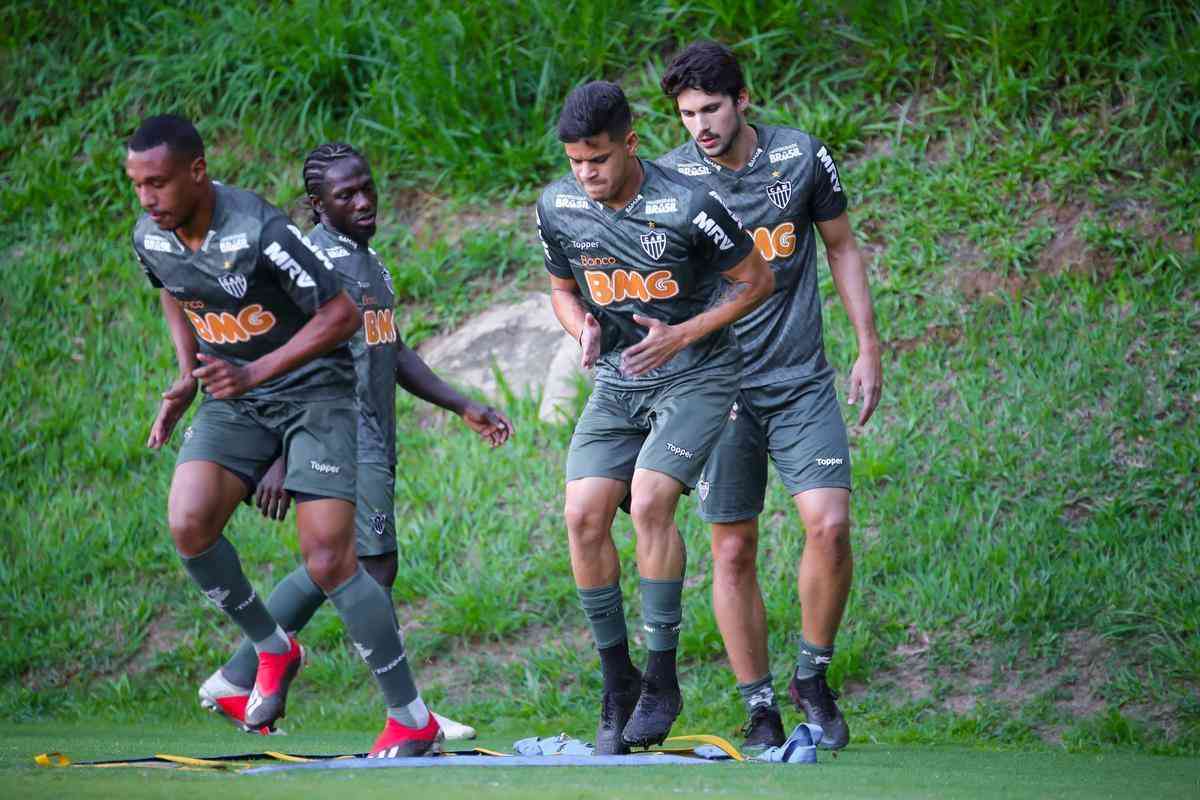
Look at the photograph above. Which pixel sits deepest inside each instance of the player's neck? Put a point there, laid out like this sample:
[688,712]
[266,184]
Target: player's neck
[629,188]
[193,232]
[738,154]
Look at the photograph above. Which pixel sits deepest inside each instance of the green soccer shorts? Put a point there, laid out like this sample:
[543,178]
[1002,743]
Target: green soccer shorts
[798,426]
[375,510]
[319,437]
[669,429]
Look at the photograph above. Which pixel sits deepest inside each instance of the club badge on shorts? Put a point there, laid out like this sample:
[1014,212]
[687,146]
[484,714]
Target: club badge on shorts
[702,489]
[379,523]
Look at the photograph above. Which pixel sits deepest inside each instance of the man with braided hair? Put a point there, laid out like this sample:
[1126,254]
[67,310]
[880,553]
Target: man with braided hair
[343,198]
[258,316]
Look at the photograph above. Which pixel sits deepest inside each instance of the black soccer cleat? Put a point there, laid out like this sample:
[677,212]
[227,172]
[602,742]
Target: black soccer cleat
[615,709]
[764,729]
[653,716]
[818,703]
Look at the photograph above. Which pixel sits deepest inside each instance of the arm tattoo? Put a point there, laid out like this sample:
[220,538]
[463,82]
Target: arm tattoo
[731,292]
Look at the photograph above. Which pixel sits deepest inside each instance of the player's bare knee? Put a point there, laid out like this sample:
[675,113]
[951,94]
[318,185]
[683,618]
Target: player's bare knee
[192,529]
[831,534]
[382,568]
[587,523]
[330,567]
[651,515]
[734,554]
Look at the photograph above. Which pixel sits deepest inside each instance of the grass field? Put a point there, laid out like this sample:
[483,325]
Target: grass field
[869,771]
[1024,179]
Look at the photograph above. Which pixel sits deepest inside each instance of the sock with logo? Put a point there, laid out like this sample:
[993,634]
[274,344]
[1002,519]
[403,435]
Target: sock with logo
[292,604]
[759,693]
[662,611]
[219,574]
[814,660]
[366,611]
[606,615]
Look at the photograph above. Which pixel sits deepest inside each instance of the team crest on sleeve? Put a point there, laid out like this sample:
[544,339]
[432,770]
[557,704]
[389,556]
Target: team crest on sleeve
[654,243]
[779,193]
[234,283]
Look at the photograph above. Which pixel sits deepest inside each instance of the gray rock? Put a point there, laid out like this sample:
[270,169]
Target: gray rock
[524,342]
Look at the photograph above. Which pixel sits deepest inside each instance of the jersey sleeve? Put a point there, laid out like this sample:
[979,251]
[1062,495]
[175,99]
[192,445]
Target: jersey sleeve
[145,265]
[717,235]
[827,200]
[304,272]
[556,260]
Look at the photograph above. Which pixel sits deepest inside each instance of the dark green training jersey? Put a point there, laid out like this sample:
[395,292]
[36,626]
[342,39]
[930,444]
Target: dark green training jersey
[374,346]
[254,282]
[660,256]
[788,184]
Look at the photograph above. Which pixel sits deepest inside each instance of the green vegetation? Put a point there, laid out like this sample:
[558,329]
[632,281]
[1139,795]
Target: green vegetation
[869,771]
[1026,521]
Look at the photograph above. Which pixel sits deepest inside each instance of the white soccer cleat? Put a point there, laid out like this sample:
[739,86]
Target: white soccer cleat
[454,731]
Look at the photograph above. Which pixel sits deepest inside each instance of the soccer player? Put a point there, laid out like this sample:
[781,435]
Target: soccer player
[781,182]
[258,316]
[343,197]
[647,271]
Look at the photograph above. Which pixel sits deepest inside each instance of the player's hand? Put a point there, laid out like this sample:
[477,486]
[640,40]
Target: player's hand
[490,424]
[661,343]
[270,496]
[221,379]
[175,401]
[866,383]
[589,342]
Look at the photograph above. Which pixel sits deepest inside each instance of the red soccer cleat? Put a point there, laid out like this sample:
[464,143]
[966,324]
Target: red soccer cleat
[398,741]
[268,700]
[221,697]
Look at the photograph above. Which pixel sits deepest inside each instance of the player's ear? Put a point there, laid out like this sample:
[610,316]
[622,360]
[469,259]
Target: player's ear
[316,204]
[743,100]
[198,169]
[631,142]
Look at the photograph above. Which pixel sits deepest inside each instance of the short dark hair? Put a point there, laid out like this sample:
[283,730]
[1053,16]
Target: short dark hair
[178,134]
[709,67]
[594,108]
[318,163]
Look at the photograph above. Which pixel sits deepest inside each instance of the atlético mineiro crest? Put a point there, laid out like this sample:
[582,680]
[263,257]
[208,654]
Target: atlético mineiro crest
[234,283]
[654,243]
[703,488]
[379,524]
[779,193]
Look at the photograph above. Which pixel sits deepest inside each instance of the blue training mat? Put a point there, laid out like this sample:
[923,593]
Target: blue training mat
[638,760]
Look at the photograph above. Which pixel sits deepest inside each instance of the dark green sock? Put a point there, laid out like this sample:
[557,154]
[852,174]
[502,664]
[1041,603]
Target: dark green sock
[813,660]
[759,693]
[293,602]
[605,613]
[662,611]
[367,613]
[219,574]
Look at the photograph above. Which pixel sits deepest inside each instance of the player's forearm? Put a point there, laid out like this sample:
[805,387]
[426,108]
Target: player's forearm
[415,377]
[740,296]
[330,326]
[570,309]
[182,335]
[850,277]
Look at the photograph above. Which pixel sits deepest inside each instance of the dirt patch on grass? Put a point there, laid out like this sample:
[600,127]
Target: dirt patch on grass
[454,669]
[944,334]
[431,218]
[1070,678]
